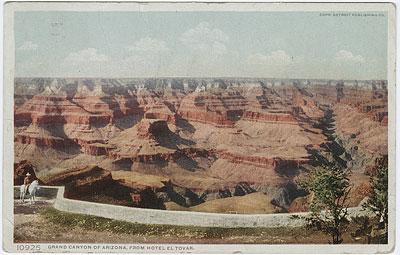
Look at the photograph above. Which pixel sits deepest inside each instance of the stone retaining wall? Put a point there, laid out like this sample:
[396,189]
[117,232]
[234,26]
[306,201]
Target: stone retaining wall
[181,218]
[44,191]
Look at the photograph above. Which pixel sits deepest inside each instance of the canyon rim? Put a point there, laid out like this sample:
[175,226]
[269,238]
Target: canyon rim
[218,113]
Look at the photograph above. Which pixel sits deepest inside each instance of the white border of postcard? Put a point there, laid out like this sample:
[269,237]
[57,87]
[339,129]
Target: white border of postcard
[8,81]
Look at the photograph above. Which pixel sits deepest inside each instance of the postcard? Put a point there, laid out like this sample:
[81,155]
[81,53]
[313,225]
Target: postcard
[199,127]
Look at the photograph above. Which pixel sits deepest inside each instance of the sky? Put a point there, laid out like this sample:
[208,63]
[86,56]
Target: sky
[200,44]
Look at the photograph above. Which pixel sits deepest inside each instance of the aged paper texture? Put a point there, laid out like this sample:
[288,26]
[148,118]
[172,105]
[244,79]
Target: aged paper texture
[199,127]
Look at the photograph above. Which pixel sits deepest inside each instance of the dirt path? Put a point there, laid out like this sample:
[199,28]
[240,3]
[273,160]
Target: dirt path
[26,208]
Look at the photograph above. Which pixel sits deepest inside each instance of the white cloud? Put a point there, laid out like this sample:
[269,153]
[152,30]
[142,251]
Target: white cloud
[218,48]
[147,56]
[345,65]
[346,57]
[275,64]
[204,53]
[275,58]
[87,55]
[148,46]
[28,45]
[85,63]
[205,38]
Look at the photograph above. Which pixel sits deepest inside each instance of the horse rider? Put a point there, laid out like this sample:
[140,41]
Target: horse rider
[27,182]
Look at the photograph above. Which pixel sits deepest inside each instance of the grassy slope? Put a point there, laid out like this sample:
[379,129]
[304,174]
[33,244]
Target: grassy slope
[126,232]
[115,226]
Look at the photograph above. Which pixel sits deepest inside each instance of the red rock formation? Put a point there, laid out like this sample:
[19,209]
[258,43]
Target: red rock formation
[149,128]
[70,104]
[161,112]
[80,181]
[270,117]
[79,175]
[150,121]
[173,156]
[263,162]
[371,102]
[50,142]
[213,108]
[97,149]
[59,110]
[306,105]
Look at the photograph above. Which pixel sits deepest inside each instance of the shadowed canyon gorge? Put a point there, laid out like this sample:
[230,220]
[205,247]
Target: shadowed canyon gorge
[195,143]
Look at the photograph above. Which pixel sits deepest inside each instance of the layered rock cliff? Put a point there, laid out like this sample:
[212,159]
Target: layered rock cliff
[202,132]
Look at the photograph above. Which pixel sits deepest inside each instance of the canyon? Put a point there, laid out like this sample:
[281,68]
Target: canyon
[189,141]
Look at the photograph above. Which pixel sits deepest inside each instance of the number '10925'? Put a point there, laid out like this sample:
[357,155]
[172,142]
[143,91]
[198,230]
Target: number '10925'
[28,247]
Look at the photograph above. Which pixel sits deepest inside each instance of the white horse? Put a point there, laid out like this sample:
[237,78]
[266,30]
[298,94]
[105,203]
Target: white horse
[33,188]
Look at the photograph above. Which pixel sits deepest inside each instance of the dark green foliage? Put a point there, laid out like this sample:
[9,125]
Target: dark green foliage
[378,198]
[330,188]
[364,226]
